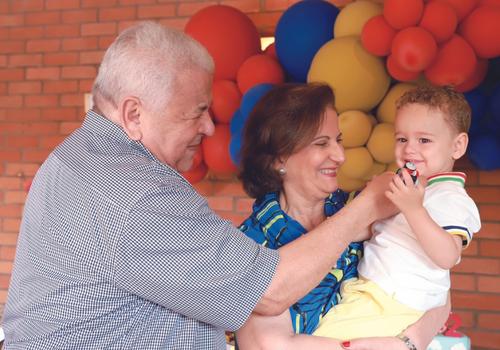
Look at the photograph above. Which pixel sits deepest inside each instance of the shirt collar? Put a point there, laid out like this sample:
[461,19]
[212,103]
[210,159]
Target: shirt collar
[452,176]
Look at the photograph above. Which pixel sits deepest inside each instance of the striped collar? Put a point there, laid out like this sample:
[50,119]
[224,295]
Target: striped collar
[453,176]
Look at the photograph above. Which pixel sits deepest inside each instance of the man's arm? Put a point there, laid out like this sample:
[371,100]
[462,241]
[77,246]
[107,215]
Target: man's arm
[305,261]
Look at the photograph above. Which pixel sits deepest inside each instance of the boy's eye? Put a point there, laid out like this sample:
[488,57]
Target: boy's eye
[400,139]
[424,140]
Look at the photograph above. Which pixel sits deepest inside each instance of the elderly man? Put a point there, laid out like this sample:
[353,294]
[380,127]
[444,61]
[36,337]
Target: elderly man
[118,251]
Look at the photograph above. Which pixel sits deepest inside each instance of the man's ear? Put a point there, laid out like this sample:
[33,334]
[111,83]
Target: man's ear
[460,145]
[130,113]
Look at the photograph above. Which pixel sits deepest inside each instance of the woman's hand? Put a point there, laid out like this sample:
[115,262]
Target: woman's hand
[375,343]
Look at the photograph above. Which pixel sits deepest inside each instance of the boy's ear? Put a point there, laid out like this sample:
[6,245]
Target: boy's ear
[460,145]
[130,113]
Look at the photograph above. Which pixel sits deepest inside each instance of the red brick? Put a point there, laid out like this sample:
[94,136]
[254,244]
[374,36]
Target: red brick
[229,189]
[11,210]
[62,4]
[156,11]
[7,253]
[26,32]
[489,321]
[3,296]
[51,142]
[472,249]
[43,45]
[78,72]
[26,6]
[97,29]
[489,284]
[91,57]
[463,282]
[62,31]
[37,156]
[21,141]
[484,194]
[68,128]
[12,225]
[190,8]
[236,219]
[8,239]
[80,44]
[45,73]
[3,60]
[467,317]
[14,197]
[45,17]
[4,33]
[42,100]
[490,177]
[3,91]
[266,22]
[60,86]
[116,14]
[28,60]
[478,265]
[220,203]
[72,100]
[86,85]
[277,5]
[21,169]
[137,2]
[12,46]
[490,248]
[246,6]
[475,301]
[4,7]
[23,114]
[13,101]
[12,20]
[28,87]
[10,156]
[60,59]
[79,16]
[484,340]
[244,205]
[490,230]
[11,74]
[98,3]
[10,183]
[6,267]
[4,280]
[489,212]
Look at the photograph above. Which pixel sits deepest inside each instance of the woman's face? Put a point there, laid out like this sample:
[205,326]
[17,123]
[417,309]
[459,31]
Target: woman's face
[312,171]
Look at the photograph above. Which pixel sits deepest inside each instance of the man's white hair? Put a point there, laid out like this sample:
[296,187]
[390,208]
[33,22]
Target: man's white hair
[144,61]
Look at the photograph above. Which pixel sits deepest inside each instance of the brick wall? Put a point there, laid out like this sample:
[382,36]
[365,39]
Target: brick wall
[49,53]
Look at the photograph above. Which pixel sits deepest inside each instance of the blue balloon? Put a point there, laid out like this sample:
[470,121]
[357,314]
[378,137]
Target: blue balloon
[301,31]
[494,105]
[484,151]
[478,103]
[234,149]
[251,97]
[236,123]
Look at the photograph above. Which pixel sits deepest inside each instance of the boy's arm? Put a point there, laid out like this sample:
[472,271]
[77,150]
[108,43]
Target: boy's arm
[442,248]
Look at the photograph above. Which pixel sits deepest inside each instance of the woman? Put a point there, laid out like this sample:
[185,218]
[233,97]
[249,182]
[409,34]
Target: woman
[291,153]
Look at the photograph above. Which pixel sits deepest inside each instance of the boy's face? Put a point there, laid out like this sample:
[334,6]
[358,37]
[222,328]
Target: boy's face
[424,137]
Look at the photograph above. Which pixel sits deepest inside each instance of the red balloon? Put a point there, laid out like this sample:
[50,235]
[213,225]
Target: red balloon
[216,150]
[403,13]
[377,36]
[229,36]
[462,7]
[271,51]
[414,49]
[489,2]
[196,174]
[259,69]
[399,73]
[454,63]
[476,78]
[226,98]
[440,20]
[481,29]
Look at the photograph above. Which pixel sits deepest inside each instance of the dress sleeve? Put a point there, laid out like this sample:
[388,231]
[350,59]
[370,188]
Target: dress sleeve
[176,252]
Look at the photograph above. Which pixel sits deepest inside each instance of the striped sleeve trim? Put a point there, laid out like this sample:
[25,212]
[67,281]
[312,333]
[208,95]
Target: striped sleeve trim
[460,231]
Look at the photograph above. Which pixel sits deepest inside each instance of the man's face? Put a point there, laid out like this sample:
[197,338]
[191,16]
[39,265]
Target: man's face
[175,135]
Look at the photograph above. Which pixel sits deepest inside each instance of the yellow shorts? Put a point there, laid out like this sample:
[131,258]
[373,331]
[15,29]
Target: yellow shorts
[365,311]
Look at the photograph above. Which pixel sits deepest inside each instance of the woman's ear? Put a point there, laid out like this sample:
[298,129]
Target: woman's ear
[460,145]
[130,117]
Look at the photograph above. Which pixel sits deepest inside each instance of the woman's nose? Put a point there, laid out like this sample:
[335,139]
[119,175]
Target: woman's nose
[337,153]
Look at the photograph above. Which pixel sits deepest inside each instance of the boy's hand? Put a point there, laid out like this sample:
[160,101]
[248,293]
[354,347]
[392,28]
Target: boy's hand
[405,195]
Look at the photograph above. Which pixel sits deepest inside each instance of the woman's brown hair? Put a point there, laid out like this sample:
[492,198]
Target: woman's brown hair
[284,121]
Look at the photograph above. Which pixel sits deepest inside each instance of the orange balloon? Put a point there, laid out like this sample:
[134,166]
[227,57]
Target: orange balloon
[229,36]
[226,98]
[414,49]
[196,174]
[481,29]
[403,13]
[398,72]
[462,7]
[259,69]
[476,78]
[377,36]
[440,20]
[454,63]
[216,150]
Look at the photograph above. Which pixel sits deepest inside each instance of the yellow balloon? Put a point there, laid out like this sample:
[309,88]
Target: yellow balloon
[358,78]
[349,184]
[392,167]
[381,143]
[386,112]
[352,18]
[358,162]
[377,169]
[356,127]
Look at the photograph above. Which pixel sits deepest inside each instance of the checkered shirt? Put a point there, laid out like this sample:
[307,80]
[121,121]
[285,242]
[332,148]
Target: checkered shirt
[118,251]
